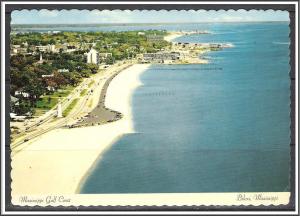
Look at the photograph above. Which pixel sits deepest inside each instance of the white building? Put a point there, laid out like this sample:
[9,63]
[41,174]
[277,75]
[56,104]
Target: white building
[15,117]
[24,94]
[92,56]
[70,50]
[51,48]
[15,49]
[42,48]
[47,75]
[47,48]
[64,70]
[103,56]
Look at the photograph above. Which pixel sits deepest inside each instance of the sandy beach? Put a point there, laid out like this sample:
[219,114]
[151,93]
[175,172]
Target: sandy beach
[172,36]
[58,161]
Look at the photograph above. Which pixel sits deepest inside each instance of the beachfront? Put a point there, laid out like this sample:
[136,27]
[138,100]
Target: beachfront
[154,108]
[58,161]
[68,155]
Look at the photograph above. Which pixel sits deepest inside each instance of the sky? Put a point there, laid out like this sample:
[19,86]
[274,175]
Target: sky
[127,16]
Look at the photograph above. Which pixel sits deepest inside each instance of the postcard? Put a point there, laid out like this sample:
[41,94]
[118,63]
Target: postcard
[150,107]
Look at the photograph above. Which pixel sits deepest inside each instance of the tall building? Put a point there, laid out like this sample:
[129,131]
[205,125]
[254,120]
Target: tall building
[51,48]
[93,56]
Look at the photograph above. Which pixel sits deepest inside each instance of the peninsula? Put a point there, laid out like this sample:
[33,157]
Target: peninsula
[76,86]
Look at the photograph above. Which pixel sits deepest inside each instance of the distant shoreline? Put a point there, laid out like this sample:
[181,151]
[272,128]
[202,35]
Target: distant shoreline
[130,24]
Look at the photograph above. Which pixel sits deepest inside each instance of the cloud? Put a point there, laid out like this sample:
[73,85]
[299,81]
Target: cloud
[145,16]
[107,16]
[48,13]
[232,18]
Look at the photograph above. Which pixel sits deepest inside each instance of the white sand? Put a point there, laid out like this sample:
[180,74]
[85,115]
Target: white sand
[172,36]
[56,162]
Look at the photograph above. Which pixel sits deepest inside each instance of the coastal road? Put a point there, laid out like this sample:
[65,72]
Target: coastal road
[81,109]
[52,112]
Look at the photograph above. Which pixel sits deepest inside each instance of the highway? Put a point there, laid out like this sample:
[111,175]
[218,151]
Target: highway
[49,121]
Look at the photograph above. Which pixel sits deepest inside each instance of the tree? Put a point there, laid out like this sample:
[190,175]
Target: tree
[22,107]
[110,60]
[85,72]
[93,68]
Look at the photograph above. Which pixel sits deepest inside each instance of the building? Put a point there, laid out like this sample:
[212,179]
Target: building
[64,70]
[47,75]
[69,50]
[14,51]
[92,57]
[50,88]
[15,117]
[47,48]
[161,56]
[24,94]
[215,46]
[53,32]
[104,56]
[51,48]
[155,38]
[17,49]
[42,48]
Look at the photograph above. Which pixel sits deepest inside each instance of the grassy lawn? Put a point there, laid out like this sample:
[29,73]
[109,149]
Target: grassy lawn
[90,103]
[83,92]
[39,112]
[70,107]
[91,83]
[47,102]
[63,92]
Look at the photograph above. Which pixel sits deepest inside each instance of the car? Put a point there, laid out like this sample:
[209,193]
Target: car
[25,140]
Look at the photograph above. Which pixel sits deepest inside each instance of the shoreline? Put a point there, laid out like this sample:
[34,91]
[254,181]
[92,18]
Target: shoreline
[175,34]
[102,114]
[76,151]
[119,99]
[69,156]
[172,36]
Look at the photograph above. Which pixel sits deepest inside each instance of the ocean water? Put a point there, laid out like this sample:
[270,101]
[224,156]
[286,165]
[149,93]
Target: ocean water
[220,127]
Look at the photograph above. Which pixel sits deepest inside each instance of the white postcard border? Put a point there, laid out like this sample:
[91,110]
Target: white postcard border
[3,211]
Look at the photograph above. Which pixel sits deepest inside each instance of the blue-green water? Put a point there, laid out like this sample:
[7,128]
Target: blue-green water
[221,127]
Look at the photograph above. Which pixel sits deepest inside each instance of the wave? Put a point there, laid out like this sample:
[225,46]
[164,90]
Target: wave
[281,43]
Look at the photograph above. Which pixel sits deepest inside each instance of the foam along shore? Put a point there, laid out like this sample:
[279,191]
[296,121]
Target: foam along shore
[57,162]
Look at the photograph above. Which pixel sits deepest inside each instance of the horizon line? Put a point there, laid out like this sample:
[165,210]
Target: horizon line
[115,23]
